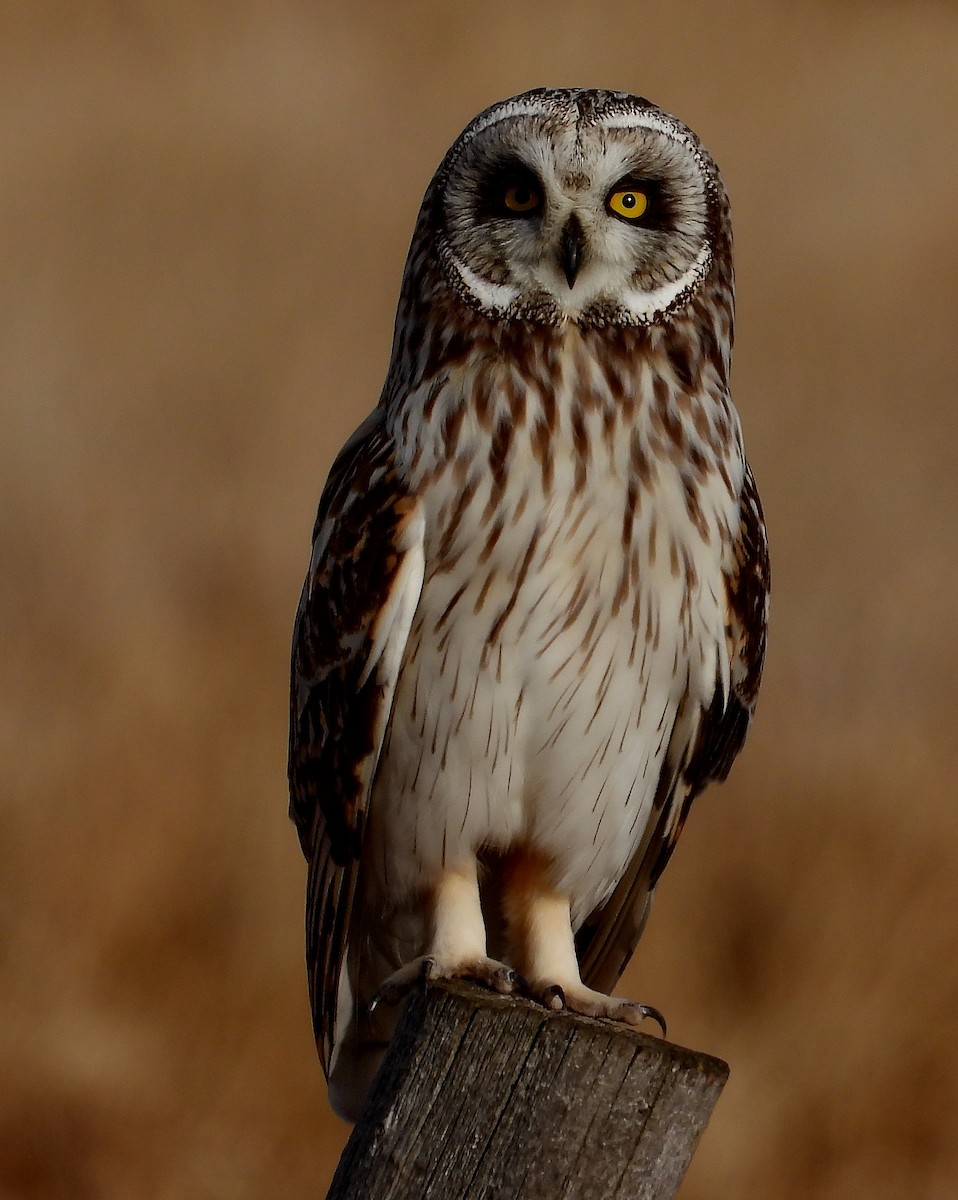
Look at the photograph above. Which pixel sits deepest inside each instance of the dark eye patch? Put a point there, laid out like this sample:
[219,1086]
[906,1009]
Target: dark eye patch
[507,177]
[659,212]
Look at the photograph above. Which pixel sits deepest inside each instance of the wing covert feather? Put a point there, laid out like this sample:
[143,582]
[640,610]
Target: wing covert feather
[355,612]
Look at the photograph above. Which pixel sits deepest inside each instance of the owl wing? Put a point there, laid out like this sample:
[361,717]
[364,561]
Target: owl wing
[355,612]
[609,936]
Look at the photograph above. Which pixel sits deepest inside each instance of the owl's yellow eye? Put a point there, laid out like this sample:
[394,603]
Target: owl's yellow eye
[630,203]
[521,198]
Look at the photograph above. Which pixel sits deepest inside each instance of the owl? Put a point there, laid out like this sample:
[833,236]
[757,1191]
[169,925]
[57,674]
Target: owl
[533,624]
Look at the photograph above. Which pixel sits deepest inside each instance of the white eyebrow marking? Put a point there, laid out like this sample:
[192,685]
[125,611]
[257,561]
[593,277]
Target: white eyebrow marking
[645,121]
[503,114]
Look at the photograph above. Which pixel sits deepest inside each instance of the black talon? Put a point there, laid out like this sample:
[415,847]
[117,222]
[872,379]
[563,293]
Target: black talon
[554,992]
[506,982]
[520,985]
[392,993]
[653,1014]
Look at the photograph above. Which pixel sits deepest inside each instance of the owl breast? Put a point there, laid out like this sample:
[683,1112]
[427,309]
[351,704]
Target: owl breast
[540,700]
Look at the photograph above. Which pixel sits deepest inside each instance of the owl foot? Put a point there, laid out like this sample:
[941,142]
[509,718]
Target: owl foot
[588,1003]
[487,972]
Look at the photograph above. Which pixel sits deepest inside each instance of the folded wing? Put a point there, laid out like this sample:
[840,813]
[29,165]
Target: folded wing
[355,612]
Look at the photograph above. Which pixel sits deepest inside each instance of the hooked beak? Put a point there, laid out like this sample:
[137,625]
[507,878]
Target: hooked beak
[571,249]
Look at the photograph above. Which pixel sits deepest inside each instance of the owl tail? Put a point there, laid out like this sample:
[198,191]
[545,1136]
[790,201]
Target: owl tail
[361,1036]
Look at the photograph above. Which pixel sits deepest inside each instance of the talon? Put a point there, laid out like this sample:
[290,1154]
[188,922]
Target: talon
[652,1014]
[506,981]
[554,997]
[399,985]
[519,984]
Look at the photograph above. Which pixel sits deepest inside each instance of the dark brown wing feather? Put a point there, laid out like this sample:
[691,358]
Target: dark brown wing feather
[608,937]
[354,614]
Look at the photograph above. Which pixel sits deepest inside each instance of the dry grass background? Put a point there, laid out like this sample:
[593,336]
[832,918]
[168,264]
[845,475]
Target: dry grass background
[204,211]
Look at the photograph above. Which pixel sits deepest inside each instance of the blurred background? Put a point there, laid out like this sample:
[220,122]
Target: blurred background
[204,213]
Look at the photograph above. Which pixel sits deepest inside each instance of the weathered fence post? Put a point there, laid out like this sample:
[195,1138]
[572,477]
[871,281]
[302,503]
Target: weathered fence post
[482,1096]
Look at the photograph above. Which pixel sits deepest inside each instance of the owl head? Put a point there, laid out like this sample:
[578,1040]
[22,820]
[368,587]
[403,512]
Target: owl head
[577,205]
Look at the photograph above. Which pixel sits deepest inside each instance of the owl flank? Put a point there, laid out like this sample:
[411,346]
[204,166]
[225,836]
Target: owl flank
[534,620]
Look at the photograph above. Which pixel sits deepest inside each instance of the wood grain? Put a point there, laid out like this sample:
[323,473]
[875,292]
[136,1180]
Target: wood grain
[492,1097]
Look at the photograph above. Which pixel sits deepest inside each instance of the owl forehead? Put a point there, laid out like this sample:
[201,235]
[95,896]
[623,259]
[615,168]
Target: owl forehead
[592,156]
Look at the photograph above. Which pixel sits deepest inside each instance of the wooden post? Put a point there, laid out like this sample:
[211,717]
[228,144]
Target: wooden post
[483,1096]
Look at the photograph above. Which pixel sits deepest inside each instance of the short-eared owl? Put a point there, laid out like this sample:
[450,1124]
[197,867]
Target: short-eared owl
[534,620]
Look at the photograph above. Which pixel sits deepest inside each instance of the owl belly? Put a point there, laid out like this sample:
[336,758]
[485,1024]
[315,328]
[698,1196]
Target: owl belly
[604,704]
[536,709]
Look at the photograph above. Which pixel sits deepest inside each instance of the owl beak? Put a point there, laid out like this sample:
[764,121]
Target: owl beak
[571,249]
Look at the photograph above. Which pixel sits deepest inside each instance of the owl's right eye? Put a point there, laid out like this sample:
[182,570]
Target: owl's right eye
[521,199]
[510,189]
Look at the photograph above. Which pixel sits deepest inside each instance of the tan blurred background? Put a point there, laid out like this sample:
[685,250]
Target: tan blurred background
[204,212]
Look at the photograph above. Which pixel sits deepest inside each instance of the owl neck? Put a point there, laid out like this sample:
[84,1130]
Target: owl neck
[437,334]
[562,402]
